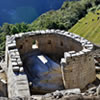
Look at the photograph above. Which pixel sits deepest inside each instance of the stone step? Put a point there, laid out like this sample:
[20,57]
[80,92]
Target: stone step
[24,92]
[22,86]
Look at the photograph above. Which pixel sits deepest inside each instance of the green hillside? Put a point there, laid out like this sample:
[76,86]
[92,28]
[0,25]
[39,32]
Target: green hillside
[89,27]
[65,17]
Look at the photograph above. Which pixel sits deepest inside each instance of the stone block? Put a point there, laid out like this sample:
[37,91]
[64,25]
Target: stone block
[21,82]
[13,50]
[22,87]
[57,30]
[16,56]
[89,46]
[21,34]
[52,31]
[12,53]
[86,50]
[19,63]
[13,60]
[65,33]
[12,46]
[71,52]
[17,53]
[21,69]
[16,68]
[14,63]
[47,31]
[81,52]
[73,55]
[16,35]
[2,80]
[21,77]
[42,32]
[32,33]
[38,32]
[66,54]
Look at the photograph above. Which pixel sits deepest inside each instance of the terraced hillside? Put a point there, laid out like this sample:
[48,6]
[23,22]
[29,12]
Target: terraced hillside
[89,27]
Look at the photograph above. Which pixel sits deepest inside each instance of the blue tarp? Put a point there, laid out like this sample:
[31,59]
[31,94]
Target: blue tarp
[44,73]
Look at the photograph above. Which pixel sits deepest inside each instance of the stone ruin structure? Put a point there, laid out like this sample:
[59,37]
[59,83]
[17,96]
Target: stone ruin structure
[73,53]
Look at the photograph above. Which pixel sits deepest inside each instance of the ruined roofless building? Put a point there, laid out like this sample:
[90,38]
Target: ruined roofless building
[73,53]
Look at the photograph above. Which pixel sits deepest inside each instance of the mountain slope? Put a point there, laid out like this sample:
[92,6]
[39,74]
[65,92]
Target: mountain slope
[66,16]
[89,27]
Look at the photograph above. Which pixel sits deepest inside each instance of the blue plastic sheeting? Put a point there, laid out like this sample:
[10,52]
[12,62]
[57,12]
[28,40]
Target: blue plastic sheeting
[44,73]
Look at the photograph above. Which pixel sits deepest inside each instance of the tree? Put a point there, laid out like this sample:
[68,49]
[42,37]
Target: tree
[6,28]
[14,29]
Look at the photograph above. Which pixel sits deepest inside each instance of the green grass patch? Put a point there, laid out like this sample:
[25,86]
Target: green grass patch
[89,27]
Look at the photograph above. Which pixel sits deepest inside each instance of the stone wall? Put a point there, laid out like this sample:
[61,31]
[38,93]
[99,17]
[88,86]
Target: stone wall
[17,79]
[73,52]
[49,42]
[78,68]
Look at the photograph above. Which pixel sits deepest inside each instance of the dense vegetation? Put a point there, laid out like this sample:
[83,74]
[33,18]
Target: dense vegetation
[89,26]
[9,29]
[64,18]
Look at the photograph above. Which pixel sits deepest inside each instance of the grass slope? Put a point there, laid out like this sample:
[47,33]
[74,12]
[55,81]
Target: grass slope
[89,27]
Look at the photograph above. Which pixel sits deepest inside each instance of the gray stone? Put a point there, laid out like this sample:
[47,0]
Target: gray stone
[21,34]
[14,63]
[93,88]
[21,69]
[16,68]
[16,35]
[36,97]
[71,91]
[17,53]
[2,80]
[57,30]
[97,68]
[19,63]
[13,60]
[81,52]
[86,50]
[98,90]
[66,54]
[32,33]
[89,46]
[38,32]
[17,57]
[73,55]
[12,46]
[52,31]
[47,31]
[12,54]
[42,32]
[65,33]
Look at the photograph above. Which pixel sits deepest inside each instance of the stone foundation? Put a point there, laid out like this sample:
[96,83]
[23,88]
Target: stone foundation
[72,52]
